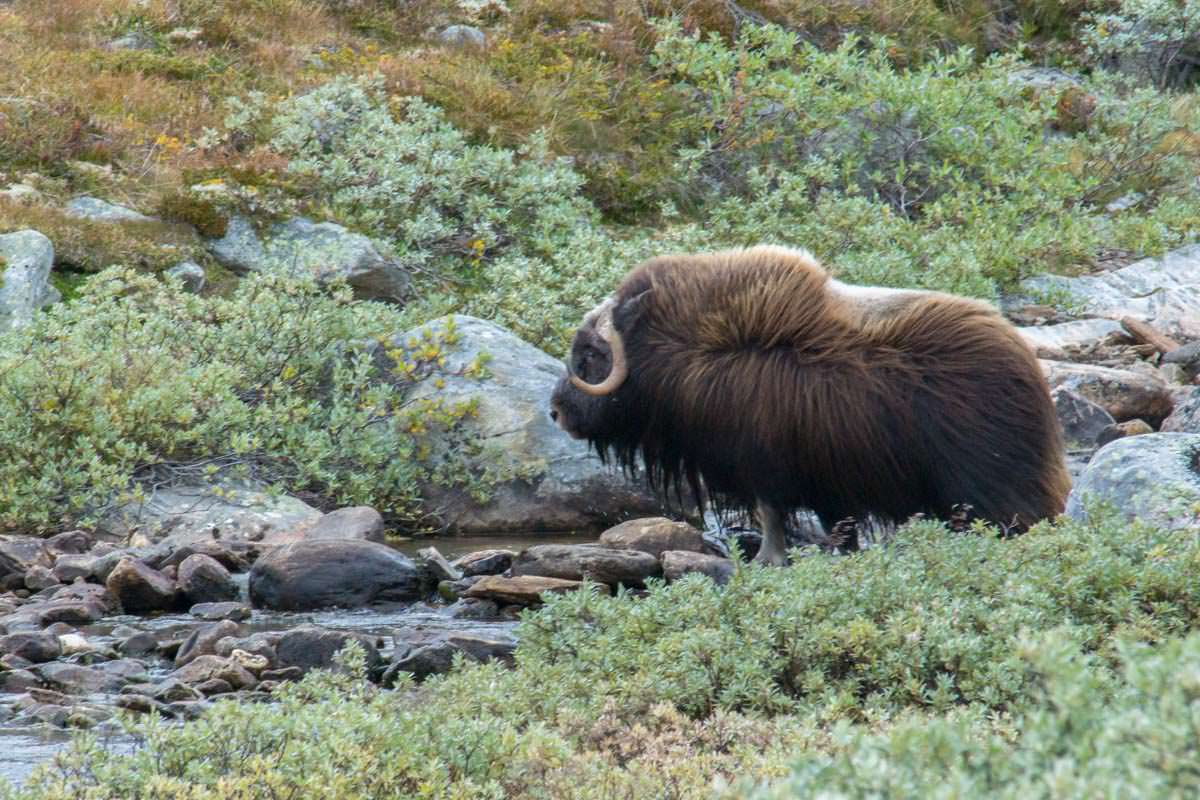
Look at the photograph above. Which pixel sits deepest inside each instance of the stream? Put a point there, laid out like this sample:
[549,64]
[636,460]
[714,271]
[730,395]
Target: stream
[23,747]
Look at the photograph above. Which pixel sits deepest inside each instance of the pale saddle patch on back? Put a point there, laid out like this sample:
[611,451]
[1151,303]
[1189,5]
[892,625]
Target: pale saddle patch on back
[878,301]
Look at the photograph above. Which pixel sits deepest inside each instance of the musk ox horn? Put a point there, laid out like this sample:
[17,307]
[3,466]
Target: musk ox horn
[620,369]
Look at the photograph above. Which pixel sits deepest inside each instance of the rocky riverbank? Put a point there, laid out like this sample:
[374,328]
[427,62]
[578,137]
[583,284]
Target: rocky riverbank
[90,628]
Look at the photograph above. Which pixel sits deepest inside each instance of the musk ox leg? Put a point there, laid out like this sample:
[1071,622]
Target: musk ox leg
[774,530]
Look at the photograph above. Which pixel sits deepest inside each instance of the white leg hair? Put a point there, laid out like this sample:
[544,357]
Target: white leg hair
[774,530]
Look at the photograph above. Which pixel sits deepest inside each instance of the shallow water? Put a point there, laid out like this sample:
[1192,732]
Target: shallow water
[24,747]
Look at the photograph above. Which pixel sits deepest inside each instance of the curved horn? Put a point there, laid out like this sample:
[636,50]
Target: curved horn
[620,369]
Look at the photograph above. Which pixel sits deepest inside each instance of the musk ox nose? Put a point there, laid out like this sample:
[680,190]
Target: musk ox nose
[554,414]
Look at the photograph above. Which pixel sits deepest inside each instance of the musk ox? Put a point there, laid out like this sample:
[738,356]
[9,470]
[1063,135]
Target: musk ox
[761,383]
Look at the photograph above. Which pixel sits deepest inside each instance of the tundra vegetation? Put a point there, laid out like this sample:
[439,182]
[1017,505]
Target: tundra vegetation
[959,146]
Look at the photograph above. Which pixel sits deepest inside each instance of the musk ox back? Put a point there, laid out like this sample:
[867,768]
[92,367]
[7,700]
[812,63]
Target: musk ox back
[755,377]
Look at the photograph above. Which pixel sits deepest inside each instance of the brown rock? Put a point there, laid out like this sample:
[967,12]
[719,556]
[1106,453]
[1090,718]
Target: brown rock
[361,523]
[484,562]
[653,535]
[1132,427]
[70,566]
[203,579]
[39,577]
[141,589]
[579,561]
[74,542]
[203,641]
[33,647]
[524,590]
[214,686]
[206,668]
[19,553]
[1126,394]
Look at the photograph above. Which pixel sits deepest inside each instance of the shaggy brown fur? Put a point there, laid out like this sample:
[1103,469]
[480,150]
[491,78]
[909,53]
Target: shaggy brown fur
[753,372]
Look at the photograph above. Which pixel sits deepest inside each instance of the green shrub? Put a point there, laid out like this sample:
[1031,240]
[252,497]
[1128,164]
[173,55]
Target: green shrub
[139,382]
[1089,733]
[1156,40]
[942,665]
[445,204]
[953,175]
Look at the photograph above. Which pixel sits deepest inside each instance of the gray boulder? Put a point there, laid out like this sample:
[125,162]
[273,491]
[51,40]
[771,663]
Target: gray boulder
[97,210]
[1185,416]
[356,522]
[463,35]
[33,646]
[79,679]
[133,40]
[333,572]
[1164,292]
[19,554]
[563,485]
[1154,478]
[26,258]
[240,248]
[313,647]
[192,512]
[429,650]
[576,562]
[1049,341]
[324,251]
[677,563]
[1081,420]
